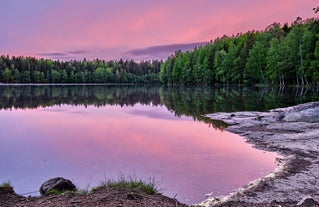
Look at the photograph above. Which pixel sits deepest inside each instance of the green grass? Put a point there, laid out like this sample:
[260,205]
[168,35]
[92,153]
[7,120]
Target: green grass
[54,192]
[122,182]
[131,182]
[84,191]
[6,185]
[62,192]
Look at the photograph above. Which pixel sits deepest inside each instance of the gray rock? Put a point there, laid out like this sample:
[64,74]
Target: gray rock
[308,202]
[58,184]
[293,133]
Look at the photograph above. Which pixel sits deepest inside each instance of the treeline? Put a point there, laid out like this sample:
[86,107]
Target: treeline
[279,55]
[32,70]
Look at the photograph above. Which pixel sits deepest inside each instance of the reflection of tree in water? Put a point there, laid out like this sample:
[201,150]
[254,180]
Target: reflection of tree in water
[216,124]
[198,101]
[49,95]
[187,101]
[203,100]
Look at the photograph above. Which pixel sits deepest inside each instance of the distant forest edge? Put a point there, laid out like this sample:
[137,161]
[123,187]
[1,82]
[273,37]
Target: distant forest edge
[32,70]
[279,55]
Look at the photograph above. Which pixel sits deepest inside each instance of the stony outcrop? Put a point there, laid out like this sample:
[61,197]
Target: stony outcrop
[57,184]
[293,133]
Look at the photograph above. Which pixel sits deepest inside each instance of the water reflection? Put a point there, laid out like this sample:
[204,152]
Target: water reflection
[87,133]
[182,101]
[88,143]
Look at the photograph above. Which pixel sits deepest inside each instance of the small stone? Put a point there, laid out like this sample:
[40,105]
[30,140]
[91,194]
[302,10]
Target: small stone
[307,202]
[58,184]
[133,196]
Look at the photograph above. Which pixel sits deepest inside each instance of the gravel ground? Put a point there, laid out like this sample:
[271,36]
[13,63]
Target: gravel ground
[292,132]
[104,196]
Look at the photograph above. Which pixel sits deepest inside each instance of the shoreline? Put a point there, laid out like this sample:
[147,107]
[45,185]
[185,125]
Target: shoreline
[293,133]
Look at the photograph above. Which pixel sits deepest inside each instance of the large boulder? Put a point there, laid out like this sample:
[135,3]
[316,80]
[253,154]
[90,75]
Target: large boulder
[57,184]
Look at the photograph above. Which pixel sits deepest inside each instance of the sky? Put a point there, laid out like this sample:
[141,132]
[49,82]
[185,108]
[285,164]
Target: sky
[132,29]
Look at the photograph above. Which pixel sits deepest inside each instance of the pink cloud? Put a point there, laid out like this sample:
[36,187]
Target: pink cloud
[104,27]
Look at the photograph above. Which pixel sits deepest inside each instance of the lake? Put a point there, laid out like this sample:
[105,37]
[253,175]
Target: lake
[89,133]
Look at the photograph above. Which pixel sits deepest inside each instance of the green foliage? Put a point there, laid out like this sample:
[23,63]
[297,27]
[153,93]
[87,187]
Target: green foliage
[6,184]
[280,55]
[256,64]
[83,191]
[32,70]
[55,192]
[62,192]
[132,182]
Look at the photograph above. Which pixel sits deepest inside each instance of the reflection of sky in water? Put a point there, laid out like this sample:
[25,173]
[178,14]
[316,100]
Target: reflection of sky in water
[88,144]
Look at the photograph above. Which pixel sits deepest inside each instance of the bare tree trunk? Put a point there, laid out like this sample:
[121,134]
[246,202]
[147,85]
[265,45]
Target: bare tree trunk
[297,92]
[301,91]
[307,83]
[301,65]
[283,80]
[261,72]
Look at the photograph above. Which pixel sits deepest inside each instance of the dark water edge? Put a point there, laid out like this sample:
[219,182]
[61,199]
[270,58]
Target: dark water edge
[188,101]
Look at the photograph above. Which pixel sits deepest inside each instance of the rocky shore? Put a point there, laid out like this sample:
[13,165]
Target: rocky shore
[292,132]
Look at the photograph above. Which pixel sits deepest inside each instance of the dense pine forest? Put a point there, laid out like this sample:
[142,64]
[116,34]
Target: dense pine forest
[32,70]
[279,55]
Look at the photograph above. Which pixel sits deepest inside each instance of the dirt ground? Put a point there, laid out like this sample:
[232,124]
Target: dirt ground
[104,196]
[113,197]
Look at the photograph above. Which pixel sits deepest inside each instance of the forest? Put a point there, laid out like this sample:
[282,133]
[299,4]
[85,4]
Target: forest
[32,70]
[279,55]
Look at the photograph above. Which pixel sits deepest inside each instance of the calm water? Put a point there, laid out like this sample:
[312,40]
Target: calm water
[89,133]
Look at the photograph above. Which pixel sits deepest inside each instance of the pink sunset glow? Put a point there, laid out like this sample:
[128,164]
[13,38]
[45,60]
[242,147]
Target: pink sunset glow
[88,143]
[115,29]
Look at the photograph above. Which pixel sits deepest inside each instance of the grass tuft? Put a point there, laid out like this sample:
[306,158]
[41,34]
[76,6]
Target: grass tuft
[6,185]
[54,192]
[84,191]
[62,192]
[132,182]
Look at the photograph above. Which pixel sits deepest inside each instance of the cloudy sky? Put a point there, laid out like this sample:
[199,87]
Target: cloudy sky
[137,29]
